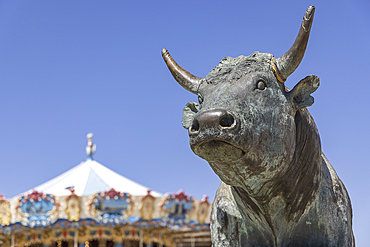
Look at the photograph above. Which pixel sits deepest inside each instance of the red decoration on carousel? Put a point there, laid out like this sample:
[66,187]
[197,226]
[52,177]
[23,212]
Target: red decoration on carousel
[205,200]
[72,190]
[181,196]
[2,198]
[148,194]
[35,196]
[112,193]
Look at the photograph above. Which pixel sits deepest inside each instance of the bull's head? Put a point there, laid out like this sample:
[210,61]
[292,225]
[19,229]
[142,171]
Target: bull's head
[244,124]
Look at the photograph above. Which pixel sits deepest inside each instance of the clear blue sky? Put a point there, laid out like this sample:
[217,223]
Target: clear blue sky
[68,68]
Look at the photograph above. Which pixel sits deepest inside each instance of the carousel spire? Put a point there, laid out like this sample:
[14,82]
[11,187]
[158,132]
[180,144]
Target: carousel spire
[91,148]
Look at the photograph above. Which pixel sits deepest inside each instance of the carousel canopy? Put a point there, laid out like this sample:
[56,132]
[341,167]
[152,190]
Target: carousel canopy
[90,177]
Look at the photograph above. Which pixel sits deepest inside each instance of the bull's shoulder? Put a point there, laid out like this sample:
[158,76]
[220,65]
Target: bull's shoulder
[234,224]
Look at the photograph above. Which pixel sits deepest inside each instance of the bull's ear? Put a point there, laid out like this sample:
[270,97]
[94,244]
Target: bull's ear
[188,114]
[300,96]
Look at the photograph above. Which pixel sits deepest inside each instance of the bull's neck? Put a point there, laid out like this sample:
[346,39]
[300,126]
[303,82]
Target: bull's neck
[292,190]
[297,185]
[256,210]
[278,204]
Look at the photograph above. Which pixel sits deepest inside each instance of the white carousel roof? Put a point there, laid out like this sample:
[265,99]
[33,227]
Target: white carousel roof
[90,177]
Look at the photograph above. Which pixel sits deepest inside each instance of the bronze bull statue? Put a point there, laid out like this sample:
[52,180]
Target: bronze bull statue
[278,188]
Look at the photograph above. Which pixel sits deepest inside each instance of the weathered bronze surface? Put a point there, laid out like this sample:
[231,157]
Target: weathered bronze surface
[278,188]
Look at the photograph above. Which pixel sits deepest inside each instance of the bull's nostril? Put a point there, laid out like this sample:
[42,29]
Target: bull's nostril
[195,126]
[227,121]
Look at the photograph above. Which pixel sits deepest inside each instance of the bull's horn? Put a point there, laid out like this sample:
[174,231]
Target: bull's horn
[288,63]
[183,77]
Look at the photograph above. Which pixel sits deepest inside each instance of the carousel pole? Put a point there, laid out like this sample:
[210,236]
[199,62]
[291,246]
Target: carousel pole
[192,241]
[75,244]
[160,239]
[141,239]
[12,239]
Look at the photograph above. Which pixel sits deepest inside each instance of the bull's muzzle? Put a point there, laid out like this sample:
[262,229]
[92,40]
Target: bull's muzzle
[212,119]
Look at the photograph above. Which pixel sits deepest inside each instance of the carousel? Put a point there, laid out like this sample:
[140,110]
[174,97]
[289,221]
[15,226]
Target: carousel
[92,206]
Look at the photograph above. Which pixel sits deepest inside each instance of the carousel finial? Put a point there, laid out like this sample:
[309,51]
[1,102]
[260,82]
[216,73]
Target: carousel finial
[90,149]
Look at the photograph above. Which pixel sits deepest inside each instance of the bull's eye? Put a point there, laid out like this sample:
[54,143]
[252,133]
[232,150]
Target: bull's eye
[200,98]
[261,85]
